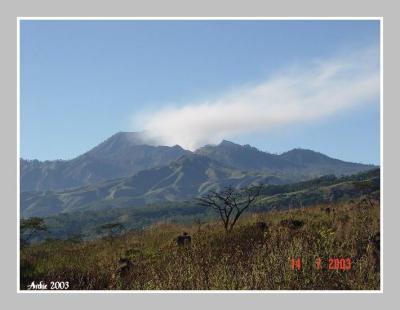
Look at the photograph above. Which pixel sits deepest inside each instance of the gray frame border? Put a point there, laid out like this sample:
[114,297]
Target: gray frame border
[186,8]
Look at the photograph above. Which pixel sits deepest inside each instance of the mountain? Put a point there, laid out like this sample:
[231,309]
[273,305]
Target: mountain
[127,153]
[124,171]
[245,157]
[296,165]
[123,154]
[185,178]
[319,191]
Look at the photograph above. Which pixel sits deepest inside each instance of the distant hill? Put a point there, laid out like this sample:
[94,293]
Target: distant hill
[127,153]
[296,165]
[124,171]
[187,177]
[123,154]
[319,191]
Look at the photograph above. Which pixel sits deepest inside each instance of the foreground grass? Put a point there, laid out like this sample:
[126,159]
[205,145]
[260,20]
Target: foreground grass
[247,259]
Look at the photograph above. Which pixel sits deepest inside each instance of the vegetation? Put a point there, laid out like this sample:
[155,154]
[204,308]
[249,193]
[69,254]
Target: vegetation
[124,172]
[324,190]
[111,230]
[31,227]
[256,255]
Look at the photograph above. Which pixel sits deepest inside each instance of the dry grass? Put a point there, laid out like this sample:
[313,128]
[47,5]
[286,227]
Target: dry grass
[247,259]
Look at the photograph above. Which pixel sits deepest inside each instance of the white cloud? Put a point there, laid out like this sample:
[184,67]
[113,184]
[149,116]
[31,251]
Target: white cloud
[300,94]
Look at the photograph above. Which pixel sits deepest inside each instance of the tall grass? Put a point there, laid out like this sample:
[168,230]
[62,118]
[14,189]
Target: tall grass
[246,259]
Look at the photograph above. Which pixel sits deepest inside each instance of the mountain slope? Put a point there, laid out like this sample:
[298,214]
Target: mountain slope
[189,176]
[296,165]
[123,154]
[127,153]
[244,157]
[324,190]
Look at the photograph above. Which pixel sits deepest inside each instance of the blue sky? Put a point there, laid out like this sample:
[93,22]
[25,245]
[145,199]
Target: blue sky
[82,81]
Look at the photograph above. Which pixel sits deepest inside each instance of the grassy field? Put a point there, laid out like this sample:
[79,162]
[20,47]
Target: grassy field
[250,258]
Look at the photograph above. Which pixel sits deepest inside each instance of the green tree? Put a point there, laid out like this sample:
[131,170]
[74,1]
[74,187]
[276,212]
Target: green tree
[30,228]
[110,230]
[365,188]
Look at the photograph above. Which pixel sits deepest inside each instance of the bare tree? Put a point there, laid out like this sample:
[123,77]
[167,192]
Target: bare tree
[230,203]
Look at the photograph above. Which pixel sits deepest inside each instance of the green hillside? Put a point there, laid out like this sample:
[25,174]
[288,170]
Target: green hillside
[186,178]
[325,190]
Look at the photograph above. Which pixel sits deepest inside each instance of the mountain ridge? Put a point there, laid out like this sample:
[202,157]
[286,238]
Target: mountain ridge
[120,155]
[303,161]
[125,154]
[190,176]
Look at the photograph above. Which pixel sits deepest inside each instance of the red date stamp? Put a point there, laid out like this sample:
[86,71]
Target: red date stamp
[339,263]
[333,263]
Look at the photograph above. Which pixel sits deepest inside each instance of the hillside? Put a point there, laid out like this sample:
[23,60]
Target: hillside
[296,165]
[319,191]
[123,154]
[250,258]
[188,177]
[127,153]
